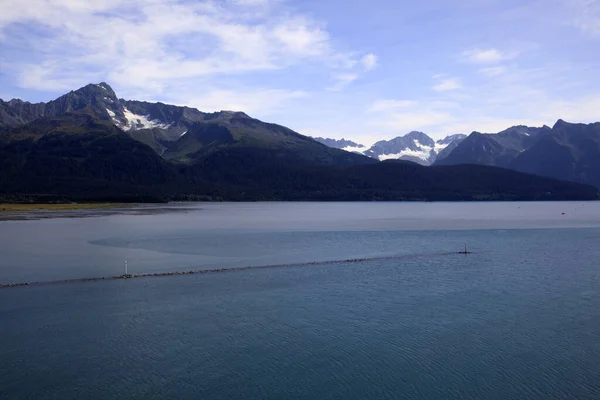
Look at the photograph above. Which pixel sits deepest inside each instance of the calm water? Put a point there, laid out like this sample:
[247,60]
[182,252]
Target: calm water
[518,319]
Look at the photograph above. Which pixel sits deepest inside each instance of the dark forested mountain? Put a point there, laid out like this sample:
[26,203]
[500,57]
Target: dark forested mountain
[80,157]
[498,149]
[569,151]
[77,156]
[165,128]
[236,130]
[250,175]
[414,146]
[565,151]
[88,145]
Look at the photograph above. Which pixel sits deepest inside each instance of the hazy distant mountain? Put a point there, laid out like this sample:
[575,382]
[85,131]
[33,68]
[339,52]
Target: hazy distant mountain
[415,146]
[565,151]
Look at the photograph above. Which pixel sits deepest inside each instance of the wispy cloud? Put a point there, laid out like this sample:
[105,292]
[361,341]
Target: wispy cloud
[492,71]
[369,61]
[263,102]
[342,80]
[389,105]
[448,84]
[252,3]
[276,59]
[150,44]
[579,110]
[516,97]
[587,15]
[424,119]
[486,56]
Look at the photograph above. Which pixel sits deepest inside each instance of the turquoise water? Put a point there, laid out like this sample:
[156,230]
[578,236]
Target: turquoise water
[518,318]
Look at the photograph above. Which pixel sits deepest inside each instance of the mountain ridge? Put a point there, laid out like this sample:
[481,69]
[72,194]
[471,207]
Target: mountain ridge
[415,146]
[566,151]
[162,126]
[89,145]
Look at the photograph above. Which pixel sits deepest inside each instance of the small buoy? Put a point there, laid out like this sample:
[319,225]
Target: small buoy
[464,252]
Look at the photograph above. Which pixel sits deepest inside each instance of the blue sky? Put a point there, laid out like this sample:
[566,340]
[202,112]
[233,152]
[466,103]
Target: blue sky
[364,70]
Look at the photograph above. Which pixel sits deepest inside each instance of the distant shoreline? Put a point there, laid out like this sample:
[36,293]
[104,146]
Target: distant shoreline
[32,207]
[20,207]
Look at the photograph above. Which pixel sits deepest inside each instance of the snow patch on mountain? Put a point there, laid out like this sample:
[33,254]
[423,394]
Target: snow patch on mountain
[112,114]
[439,146]
[414,146]
[135,122]
[355,149]
[424,155]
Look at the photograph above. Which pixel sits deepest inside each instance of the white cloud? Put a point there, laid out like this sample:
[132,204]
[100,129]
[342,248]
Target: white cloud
[251,3]
[402,116]
[150,44]
[587,15]
[369,61]
[416,120]
[342,80]
[487,124]
[584,109]
[298,36]
[532,97]
[448,84]
[485,56]
[492,71]
[522,107]
[261,102]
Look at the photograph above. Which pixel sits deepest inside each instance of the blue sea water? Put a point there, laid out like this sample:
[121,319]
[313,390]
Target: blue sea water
[517,319]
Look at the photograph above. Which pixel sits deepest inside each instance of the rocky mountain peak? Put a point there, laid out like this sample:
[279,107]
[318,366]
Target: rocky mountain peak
[15,102]
[95,99]
[561,123]
[452,138]
[420,137]
[415,146]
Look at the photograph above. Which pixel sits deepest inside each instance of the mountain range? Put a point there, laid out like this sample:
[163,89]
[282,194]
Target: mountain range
[566,151]
[180,134]
[91,145]
[415,146]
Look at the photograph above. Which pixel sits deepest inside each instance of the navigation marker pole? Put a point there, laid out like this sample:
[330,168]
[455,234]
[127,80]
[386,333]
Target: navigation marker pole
[125,267]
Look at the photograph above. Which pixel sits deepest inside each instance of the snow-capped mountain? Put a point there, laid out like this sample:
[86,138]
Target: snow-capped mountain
[156,124]
[180,134]
[414,146]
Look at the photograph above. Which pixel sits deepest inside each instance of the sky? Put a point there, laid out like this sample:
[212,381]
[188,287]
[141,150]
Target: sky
[354,69]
